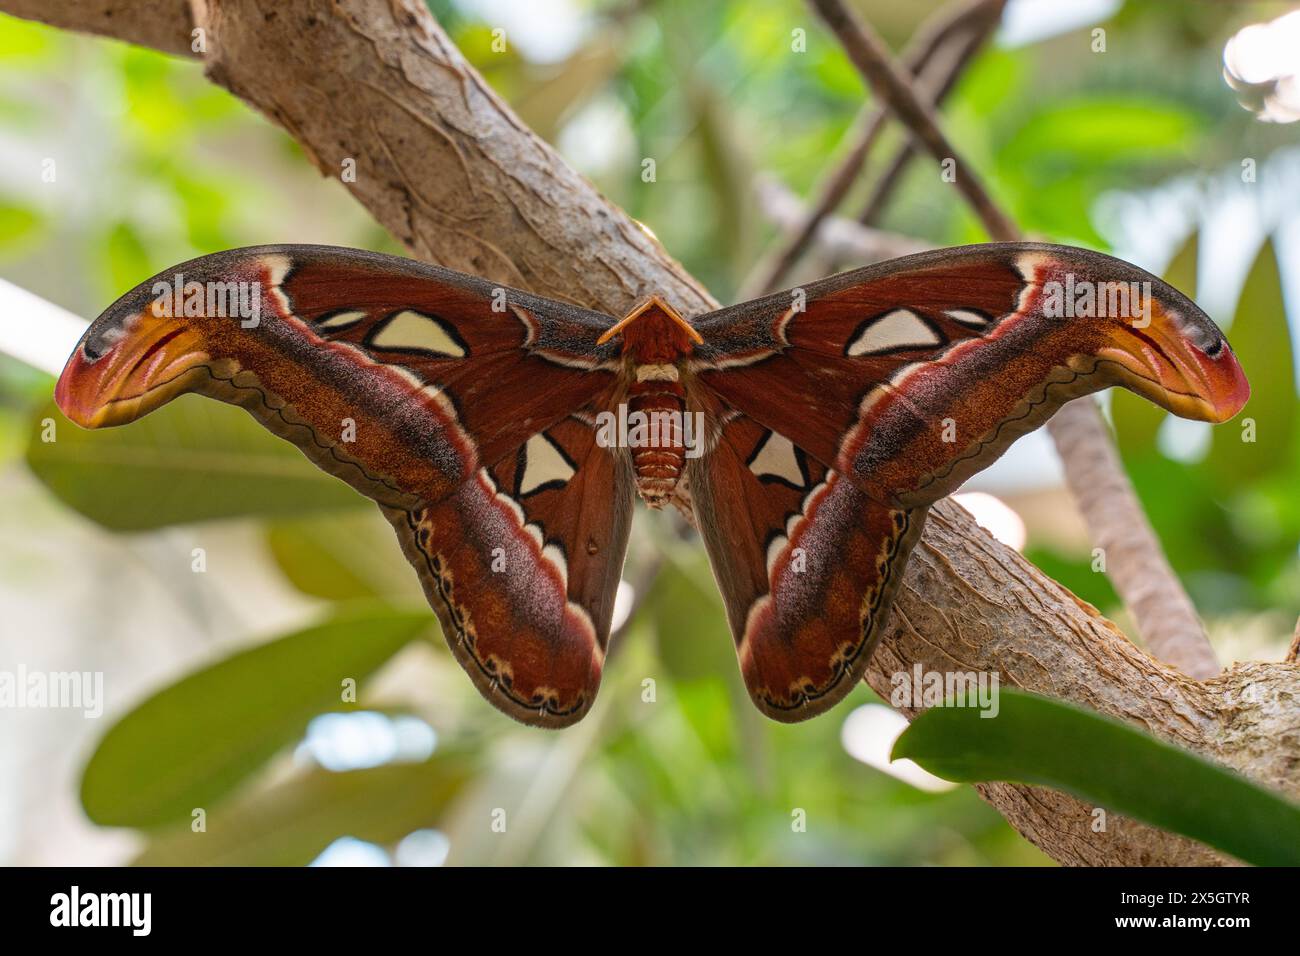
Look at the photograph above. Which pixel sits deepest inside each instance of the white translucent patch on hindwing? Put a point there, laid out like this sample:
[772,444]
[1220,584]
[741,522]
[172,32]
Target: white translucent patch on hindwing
[775,457]
[551,553]
[341,320]
[544,466]
[975,320]
[893,331]
[411,331]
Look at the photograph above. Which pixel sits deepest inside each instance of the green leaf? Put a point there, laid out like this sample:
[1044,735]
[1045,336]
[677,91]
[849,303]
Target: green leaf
[192,460]
[347,556]
[1262,343]
[24,41]
[688,620]
[1037,740]
[290,824]
[193,742]
[125,257]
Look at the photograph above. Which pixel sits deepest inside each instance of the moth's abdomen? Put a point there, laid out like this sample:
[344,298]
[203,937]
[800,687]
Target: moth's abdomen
[656,440]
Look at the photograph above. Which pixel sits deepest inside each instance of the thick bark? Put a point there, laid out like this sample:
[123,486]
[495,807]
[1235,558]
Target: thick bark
[449,169]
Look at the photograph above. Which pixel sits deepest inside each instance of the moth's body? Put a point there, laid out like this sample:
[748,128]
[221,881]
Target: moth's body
[656,341]
[833,416]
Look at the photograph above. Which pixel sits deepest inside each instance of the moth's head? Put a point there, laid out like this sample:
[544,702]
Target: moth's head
[653,333]
[129,362]
[1157,341]
[1182,362]
[152,344]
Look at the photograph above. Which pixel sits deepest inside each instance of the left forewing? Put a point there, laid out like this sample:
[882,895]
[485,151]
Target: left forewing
[400,378]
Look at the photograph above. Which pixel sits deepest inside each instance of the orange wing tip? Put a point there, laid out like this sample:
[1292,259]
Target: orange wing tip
[124,368]
[1180,360]
[1232,391]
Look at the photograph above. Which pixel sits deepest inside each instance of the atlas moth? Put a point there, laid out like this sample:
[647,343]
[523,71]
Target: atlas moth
[814,430]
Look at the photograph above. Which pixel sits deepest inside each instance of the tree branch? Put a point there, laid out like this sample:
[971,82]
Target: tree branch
[161,24]
[870,55]
[446,166]
[1161,610]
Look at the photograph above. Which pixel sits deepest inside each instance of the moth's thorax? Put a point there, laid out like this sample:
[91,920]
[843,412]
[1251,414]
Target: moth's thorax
[655,341]
[653,333]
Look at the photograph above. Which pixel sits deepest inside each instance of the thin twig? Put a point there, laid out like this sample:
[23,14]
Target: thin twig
[888,181]
[870,55]
[952,25]
[1135,561]
[841,239]
[1161,610]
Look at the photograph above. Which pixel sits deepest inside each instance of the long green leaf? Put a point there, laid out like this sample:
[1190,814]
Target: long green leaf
[347,556]
[195,741]
[1107,763]
[192,460]
[290,824]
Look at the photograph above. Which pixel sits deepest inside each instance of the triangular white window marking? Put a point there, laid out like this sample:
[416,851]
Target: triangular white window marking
[967,317]
[417,332]
[341,320]
[775,457]
[900,329]
[543,465]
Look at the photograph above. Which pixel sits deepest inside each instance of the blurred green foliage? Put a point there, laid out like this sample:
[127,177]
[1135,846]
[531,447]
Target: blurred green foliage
[193,742]
[171,166]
